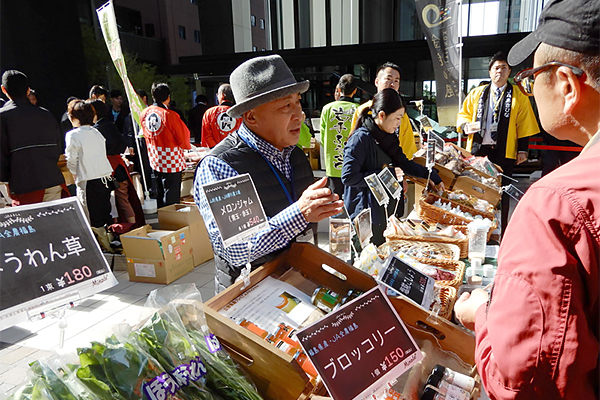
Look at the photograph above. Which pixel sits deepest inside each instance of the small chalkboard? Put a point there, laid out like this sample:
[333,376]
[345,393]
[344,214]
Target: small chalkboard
[390,182]
[377,189]
[361,347]
[49,255]
[407,281]
[236,208]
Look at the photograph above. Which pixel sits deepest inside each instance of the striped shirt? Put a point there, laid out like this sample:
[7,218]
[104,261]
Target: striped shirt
[283,227]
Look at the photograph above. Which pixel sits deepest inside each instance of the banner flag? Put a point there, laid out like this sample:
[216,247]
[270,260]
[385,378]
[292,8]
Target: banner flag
[440,23]
[108,24]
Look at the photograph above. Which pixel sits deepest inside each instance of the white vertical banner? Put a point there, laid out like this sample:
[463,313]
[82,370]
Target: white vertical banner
[110,31]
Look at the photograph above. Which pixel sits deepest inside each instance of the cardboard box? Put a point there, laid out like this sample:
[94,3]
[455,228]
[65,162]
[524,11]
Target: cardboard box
[177,216]
[155,256]
[276,374]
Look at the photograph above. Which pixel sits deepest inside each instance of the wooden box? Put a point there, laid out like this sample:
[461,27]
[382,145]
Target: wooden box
[276,374]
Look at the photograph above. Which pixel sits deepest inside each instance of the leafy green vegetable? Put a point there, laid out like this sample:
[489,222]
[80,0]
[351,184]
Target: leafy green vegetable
[165,339]
[224,376]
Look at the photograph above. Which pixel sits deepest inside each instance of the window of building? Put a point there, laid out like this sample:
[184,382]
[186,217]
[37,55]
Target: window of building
[182,32]
[262,23]
[515,26]
[150,30]
[196,36]
[263,49]
[254,48]
[252,20]
[194,1]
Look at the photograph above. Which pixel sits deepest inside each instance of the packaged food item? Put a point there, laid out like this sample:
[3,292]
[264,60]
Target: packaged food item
[326,299]
[455,378]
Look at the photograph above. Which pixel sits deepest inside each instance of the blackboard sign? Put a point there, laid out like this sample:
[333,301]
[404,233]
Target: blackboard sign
[408,281]
[236,208]
[48,253]
[360,347]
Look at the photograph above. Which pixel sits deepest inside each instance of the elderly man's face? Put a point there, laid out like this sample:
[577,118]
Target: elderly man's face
[548,99]
[278,121]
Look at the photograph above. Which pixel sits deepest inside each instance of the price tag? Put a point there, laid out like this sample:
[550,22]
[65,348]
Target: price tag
[236,208]
[360,347]
[377,189]
[390,182]
[48,250]
[408,281]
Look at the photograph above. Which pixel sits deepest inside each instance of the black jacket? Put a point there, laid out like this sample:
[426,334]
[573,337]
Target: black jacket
[30,147]
[241,157]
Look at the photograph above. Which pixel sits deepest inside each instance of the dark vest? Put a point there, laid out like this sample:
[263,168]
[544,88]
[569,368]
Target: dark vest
[241,157]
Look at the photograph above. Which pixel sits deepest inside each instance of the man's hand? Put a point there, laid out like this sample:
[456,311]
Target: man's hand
[467,305]
[317,202]
[521,157]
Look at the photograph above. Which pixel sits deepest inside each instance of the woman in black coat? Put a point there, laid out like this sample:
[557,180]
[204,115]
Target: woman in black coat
[372,147]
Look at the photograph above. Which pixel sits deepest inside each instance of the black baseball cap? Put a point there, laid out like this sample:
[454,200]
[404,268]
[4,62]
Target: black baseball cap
[568,24]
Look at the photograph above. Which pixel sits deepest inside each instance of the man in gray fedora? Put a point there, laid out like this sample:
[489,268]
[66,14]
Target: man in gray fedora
[268,101]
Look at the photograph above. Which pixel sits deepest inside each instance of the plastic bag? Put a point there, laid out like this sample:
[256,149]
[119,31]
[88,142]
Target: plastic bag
[47,382]
[164,337]
[224,376]
[121,370]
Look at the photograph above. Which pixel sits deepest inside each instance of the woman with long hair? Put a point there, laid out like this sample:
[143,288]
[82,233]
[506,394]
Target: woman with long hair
[372,147]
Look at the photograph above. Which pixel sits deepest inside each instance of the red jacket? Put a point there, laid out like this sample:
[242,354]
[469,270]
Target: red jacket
[216,124]
[166,137]
[538,338]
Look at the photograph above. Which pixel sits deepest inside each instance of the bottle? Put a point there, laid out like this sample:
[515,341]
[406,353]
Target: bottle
[449,391]
[326,299]
[454,378]
[431,394]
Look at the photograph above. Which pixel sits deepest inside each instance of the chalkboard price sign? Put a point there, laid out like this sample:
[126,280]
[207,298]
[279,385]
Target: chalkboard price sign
[408,281]
[360,347]
[236,208]
[47,252]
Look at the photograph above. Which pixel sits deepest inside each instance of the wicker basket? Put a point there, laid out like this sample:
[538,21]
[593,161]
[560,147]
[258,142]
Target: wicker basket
[423,249]
[446,301]
[433,214]
[463,244]
[455,266]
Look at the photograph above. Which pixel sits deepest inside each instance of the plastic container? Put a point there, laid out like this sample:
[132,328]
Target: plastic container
[478,230]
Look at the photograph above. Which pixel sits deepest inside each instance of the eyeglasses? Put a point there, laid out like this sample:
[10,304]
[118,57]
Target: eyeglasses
[525,78]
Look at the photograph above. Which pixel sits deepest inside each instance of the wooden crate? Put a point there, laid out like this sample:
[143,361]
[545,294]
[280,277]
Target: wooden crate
[276,374]
[448,177]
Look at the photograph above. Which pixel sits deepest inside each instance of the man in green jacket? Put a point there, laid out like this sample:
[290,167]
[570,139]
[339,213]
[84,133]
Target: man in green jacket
[336,122]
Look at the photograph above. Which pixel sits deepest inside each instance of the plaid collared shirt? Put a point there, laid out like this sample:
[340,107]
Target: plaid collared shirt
[283,227]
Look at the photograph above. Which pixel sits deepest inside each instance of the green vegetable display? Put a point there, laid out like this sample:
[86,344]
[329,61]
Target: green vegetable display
[167,341]
[45,384]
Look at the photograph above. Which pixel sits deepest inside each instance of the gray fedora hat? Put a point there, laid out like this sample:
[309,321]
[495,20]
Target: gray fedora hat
[260,80]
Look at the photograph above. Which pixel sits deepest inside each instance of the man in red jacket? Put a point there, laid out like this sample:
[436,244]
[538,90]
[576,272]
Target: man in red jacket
[166,137]
[538,334]
[216,124]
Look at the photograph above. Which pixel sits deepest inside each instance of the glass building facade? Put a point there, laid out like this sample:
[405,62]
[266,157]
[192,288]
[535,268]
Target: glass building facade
[304,24]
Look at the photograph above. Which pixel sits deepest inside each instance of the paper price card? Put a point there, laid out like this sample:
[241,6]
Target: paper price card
[49,256]
[360,347]
[236,208]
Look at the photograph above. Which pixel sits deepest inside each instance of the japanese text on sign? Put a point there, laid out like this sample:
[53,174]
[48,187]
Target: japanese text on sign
[347,342]
[236,208]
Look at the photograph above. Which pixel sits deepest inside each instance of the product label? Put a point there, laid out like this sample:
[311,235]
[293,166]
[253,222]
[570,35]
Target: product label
[463,381]
[177,253]
[146,270]
[456,393]
[212,343]
[159,387]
